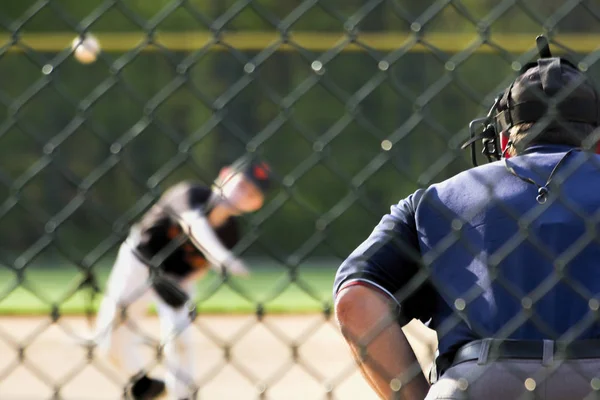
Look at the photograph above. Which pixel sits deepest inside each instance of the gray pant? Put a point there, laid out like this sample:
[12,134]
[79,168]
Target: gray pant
[520,379]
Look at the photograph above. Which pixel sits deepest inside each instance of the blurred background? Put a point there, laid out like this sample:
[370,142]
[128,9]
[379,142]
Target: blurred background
[355,104]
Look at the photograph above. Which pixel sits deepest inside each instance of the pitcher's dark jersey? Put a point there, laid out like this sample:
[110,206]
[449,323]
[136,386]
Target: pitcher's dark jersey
[159,232]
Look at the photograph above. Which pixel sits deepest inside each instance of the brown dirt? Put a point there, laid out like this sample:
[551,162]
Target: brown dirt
[322,362]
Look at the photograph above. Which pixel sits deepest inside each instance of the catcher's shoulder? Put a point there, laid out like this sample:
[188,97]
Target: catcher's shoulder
[486,174]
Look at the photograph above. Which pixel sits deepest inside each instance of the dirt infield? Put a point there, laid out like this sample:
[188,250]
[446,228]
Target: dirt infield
[264,350]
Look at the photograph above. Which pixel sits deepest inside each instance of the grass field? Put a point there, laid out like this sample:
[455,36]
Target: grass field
[271,287]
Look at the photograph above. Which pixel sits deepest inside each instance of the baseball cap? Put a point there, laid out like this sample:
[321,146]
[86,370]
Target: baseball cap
[257,171]
[553,90]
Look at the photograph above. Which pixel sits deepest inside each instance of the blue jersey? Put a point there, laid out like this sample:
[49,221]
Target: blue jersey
[477,256]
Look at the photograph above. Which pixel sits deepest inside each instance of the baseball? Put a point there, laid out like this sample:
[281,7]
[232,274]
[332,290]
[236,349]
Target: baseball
[86,51]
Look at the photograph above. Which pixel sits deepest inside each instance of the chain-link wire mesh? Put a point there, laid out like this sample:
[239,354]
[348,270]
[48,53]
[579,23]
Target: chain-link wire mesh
[354,104]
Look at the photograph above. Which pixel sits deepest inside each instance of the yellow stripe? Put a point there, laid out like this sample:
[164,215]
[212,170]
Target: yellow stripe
[314,41]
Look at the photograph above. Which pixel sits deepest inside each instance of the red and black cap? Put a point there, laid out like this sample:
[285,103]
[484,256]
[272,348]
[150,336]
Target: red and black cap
[257,171]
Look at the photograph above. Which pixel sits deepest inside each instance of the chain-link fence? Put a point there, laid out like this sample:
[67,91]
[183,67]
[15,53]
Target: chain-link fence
[354,104]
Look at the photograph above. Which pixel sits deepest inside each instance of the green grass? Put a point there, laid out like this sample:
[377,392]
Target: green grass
[270,287]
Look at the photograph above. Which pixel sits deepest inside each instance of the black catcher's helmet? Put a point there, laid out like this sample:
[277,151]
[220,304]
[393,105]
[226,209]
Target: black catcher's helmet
[550,91]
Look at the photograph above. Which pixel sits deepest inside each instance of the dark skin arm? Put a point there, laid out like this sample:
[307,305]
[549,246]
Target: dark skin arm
[378,344]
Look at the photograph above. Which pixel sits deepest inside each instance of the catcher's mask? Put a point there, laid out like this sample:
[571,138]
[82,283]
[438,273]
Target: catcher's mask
[550,91]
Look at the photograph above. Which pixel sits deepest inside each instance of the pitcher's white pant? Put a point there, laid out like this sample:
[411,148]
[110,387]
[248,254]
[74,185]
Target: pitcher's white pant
[118,338]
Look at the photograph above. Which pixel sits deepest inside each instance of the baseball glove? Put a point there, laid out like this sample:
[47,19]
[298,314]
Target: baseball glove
[169,290]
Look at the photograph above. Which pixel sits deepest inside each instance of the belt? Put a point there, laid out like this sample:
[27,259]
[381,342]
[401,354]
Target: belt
[527,349]
[494,349]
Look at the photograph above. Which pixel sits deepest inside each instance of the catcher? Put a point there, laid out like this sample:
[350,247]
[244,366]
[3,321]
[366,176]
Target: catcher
[500,260]
[190,229]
